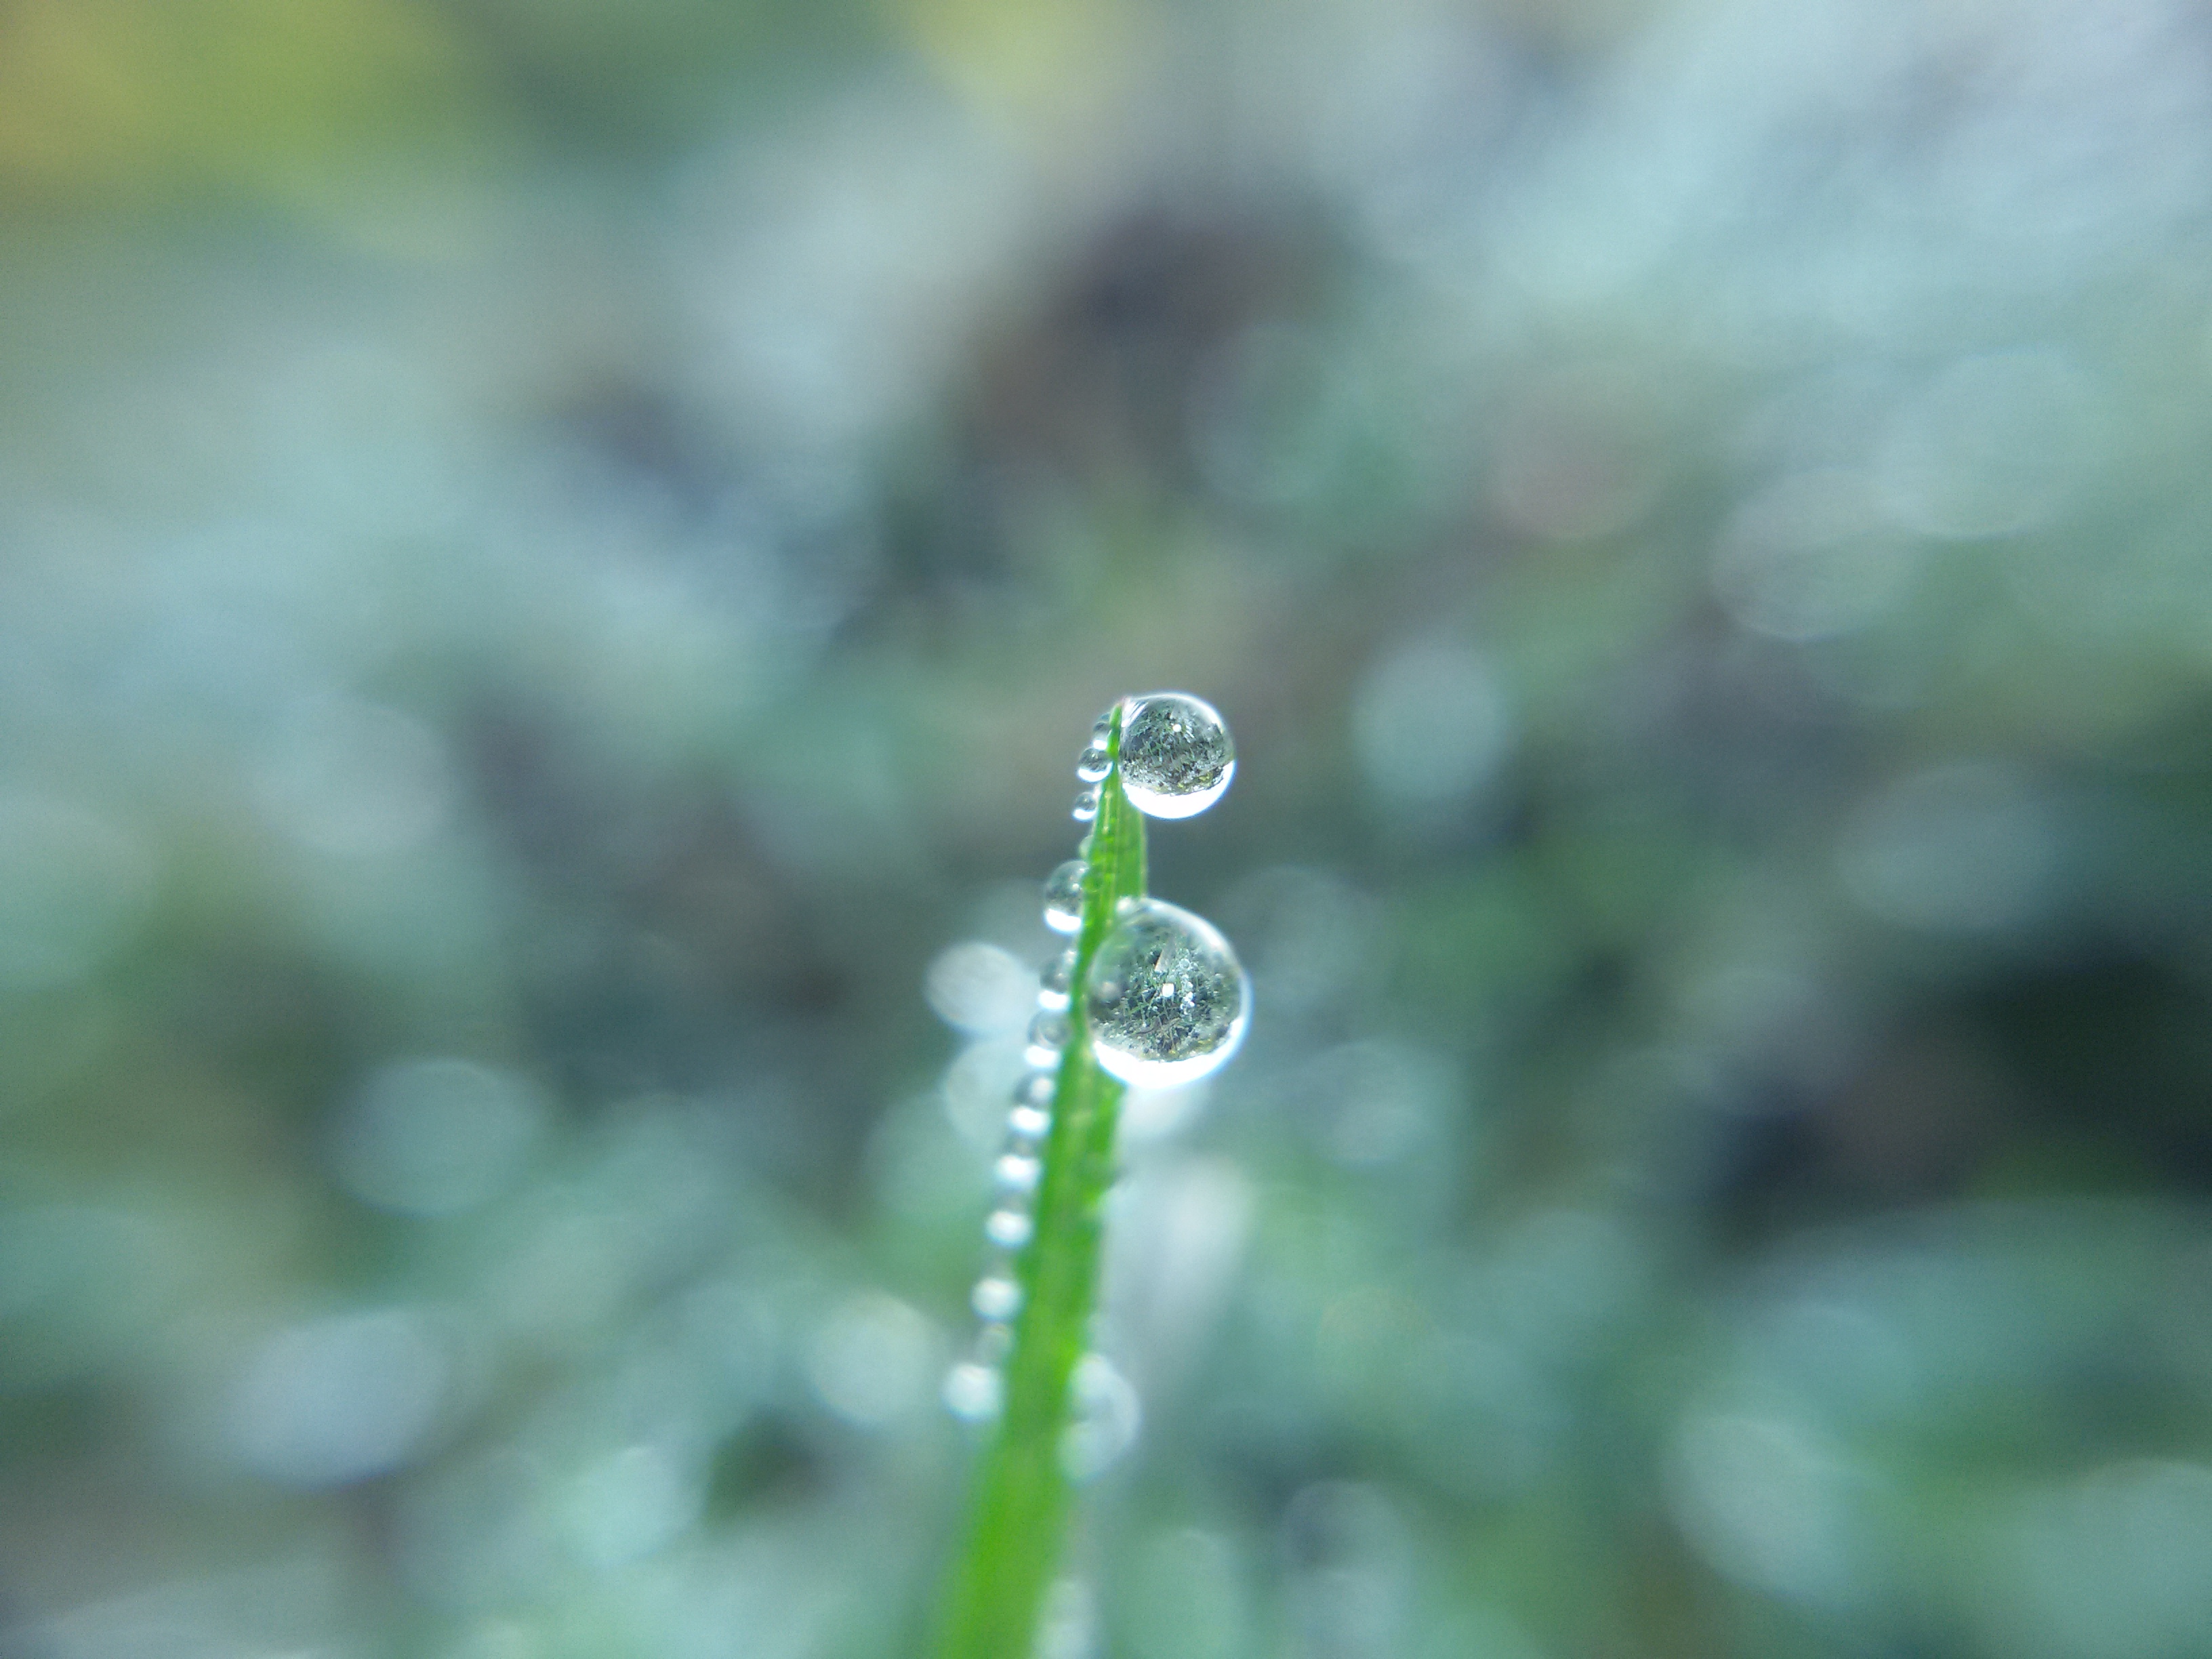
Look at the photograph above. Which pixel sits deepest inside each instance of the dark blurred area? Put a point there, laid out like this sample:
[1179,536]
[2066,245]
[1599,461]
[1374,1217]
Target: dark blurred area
[555,558]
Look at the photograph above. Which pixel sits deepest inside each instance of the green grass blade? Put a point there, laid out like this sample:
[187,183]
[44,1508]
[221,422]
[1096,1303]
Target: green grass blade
[1019,1509]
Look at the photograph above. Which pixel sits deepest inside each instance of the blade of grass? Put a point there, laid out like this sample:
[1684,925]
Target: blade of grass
[1017,1516]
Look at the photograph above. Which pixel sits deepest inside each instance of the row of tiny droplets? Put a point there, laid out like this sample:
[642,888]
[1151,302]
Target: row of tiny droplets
[975,1387]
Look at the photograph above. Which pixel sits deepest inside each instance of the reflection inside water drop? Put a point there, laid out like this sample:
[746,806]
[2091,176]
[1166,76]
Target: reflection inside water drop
[1167,1001]
[1063,896]
[1053,982]
[1049,1035]
[1177,758]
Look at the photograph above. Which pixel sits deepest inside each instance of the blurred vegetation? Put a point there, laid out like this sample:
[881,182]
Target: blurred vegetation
[540,549]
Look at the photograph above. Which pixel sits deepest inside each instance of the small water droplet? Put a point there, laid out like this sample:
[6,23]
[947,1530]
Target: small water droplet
[1176,757]
[997,1298]
[974,1391]
[1027,1123]
[1168,1001]
[1036,1088]
[1092,764]
[1086,806]
[1008,1228]
[1016,1172]
[1049,1035]
[1067,1623]
[1053,982]
[1101,729]
[1063,896]
[1106,1417]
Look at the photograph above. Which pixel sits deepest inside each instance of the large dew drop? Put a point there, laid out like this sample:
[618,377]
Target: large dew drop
[1176,757]
[1167,1001]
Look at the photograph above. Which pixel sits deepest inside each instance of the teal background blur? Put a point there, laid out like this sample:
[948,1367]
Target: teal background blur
[555,558]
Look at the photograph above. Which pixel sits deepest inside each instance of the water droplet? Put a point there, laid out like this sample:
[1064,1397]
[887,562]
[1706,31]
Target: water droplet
[1008,1228]
[974,1391]
[1036,1088]
[1027,1123]
[1016,1172]
[1176,757]
[1063,896]
[1107,1415]
[1101,729]
[997,1298]
[1048,1031]
[1092,764]
[1052,984]
[1086,806]
[1167,1002]
[1067,1623]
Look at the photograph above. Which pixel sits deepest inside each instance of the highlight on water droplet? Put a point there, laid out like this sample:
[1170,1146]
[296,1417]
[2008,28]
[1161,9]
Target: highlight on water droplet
[1176,757]
[1086,806]
[1049,1035]
[1034,1089]
[974,1391]
[1017,1173]
[1107,1416]
[1168,1001]
[1092,764]
[1008,1228]
[996,1296]
[1053,982]
[1027,1123]
[1063,896]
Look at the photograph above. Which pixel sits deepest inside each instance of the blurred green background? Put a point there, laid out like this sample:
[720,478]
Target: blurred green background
[554,557]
